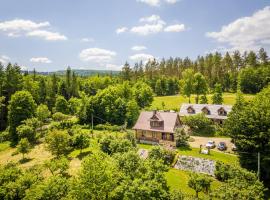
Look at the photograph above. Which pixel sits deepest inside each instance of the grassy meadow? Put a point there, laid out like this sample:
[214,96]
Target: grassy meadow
[174,102]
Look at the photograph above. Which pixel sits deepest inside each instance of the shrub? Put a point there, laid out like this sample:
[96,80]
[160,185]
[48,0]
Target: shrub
[181,137]
[58,116]
[25,131]
[158,153]
[58,142]
[4,136]
[108,127]
[111,145]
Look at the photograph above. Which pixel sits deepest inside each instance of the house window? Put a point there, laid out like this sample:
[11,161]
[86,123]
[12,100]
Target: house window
[154,134]
[156,123]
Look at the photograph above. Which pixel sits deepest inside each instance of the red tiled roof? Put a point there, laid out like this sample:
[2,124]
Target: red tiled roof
[169,118]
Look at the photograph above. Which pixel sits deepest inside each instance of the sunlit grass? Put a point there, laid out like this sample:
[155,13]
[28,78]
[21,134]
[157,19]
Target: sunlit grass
[175,102]
[178,180]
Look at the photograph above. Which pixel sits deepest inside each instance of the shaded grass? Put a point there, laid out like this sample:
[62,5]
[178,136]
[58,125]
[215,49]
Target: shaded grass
[178,180]
[174,102]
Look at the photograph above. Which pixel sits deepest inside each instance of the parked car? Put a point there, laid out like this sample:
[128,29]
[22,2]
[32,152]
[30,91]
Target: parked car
[234,147]
[222,146]
[210,144]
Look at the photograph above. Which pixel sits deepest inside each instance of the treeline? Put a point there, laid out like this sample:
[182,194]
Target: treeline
[118,99]
[107,99]
[215,67]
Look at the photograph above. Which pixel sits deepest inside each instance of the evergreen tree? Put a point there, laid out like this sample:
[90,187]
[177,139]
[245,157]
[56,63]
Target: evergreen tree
[217,96]
[200,85]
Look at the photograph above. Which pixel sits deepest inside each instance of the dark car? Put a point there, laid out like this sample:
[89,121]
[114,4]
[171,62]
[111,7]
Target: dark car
[222,146]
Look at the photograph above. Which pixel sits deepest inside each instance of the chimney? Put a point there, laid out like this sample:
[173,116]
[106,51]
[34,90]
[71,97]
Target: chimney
[154,112]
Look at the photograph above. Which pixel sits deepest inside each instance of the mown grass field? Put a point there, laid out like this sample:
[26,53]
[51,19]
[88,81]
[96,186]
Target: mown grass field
[174,102]
[178,180]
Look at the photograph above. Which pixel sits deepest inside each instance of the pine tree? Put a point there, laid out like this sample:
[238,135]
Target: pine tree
[217,96]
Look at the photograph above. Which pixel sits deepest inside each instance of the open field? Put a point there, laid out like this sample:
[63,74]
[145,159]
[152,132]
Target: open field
[178,180]
[174,102]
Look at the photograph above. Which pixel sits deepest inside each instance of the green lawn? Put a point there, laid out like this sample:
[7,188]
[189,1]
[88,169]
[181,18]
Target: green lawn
[178,180]
[214,155]
[174,102]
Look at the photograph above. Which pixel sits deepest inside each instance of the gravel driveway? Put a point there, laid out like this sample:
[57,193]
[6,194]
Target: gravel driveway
[203,140]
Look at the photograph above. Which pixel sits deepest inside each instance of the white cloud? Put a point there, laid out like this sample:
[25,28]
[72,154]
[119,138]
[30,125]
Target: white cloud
[87,40]
[21,27]
[121,30]
[138,48]
[155,24]
[47,35]
[141,57]
[4,59]
[20,24]
[175,28]
[171,1]
[147,29]
[40,60]
[97,55]
[157,3]
[150,2]
[152,19]
[246,33]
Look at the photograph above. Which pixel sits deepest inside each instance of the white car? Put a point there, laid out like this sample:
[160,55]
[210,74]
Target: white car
[210,144]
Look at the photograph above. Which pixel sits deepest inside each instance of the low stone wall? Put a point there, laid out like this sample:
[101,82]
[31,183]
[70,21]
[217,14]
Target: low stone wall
[199,165]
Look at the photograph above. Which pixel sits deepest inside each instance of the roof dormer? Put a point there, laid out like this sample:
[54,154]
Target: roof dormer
[222,112]
[206,111]
[156,120]
[190,110]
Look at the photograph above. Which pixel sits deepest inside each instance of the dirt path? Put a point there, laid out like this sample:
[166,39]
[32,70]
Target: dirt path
[203,140]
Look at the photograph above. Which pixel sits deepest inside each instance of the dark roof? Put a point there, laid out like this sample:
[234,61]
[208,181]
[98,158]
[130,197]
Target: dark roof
[168,118]
[211,107]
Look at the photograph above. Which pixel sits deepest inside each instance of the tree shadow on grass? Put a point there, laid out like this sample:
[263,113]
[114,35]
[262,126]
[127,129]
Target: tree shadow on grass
[83,154]
[25,160]
[184,148]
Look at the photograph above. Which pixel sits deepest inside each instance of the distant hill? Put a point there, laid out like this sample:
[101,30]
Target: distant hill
[80,72]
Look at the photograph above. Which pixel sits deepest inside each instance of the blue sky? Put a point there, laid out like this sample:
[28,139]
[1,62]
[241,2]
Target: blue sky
[103,34]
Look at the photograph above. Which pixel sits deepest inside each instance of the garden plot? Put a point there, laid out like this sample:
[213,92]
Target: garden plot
[198,165]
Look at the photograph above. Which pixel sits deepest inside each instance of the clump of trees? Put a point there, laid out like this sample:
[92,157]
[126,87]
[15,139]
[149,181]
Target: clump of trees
[159,153]
[240,183]
[199,124]
[248,125]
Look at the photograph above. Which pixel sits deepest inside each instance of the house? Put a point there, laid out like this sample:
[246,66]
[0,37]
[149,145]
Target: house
[155,127]
[217,113]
